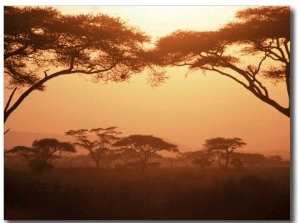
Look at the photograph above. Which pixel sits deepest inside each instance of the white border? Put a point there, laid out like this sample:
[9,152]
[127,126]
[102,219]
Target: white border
[294,121]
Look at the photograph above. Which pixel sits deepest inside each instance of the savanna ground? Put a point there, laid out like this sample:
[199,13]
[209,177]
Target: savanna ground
[160,194]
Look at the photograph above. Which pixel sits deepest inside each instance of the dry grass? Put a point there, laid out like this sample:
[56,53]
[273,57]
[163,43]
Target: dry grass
[162,194]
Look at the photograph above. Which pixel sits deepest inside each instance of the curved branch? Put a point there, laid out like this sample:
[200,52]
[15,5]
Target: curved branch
[285,43]
[7,112]
[9,100]
[16,52]
[264,98]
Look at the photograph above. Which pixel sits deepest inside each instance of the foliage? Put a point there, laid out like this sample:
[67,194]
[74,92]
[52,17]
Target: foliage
[97,148]
[249,51]
[40,43]
[47,147]
[200,158]
[24,151]
[39,166]
[222,148]
[42,152]
[144,146]
[250,159]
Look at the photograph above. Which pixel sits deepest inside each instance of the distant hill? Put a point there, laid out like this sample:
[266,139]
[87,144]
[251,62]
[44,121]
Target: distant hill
[15,138]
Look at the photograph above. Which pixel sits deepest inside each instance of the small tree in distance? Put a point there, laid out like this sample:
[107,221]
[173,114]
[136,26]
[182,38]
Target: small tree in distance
[222,148]
[25,152]
[144,146]
[97,148]
[42,151]
[200,158]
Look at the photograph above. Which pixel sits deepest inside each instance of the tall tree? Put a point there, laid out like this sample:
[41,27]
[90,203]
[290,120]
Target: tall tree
[98,148]
[144,146]
[41,44]
[222,148]
[251,51]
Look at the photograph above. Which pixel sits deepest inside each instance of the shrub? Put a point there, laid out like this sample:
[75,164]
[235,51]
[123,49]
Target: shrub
[38,166]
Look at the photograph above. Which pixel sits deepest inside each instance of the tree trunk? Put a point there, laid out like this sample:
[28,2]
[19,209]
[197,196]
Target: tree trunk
[219,161]
[143,168]
[227,159]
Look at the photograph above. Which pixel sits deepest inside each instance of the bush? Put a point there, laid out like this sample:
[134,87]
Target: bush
[38,166]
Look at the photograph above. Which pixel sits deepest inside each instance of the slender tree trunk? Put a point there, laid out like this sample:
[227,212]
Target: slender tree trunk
[227,159]
[219,161]
[143,167]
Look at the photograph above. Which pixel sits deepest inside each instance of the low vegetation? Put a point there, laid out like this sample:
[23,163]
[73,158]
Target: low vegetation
[160,194]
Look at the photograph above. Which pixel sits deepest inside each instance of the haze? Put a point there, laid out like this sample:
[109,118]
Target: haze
[184,110]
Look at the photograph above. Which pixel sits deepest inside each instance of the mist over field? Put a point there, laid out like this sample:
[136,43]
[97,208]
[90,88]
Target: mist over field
[15,138]
[147,113]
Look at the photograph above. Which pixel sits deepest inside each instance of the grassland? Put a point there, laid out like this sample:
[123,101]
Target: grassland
[160,194]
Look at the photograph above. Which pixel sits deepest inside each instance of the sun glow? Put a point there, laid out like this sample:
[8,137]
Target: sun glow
[184,109]
[162,20]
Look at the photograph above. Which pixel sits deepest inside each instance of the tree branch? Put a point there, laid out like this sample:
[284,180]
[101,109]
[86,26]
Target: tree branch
[9,100]
[16,52]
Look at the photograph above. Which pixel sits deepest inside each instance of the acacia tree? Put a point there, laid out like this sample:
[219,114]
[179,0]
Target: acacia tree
[97,148]
[222,148]
[47,148]
[25,152]
[41,44]
[144,146]
[41,152]
[252,51]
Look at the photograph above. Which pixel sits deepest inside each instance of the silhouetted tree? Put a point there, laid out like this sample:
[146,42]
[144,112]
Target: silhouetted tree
[144,146]
[97,148]
[250,159]
[42,151]
[250,51]
[222,148]
[40,44]
[46,150]
[25,152]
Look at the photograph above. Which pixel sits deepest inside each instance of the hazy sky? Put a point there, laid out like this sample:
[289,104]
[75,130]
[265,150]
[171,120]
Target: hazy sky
[185,111]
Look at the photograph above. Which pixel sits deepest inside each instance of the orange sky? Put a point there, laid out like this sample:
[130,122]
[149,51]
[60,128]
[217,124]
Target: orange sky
[185,111]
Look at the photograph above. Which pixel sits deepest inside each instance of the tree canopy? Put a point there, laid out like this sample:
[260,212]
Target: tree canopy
[24,151]
[250,51]
[40,43]
[98,148]
[41,153]
[223,147]
[144,146]
[47,147]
